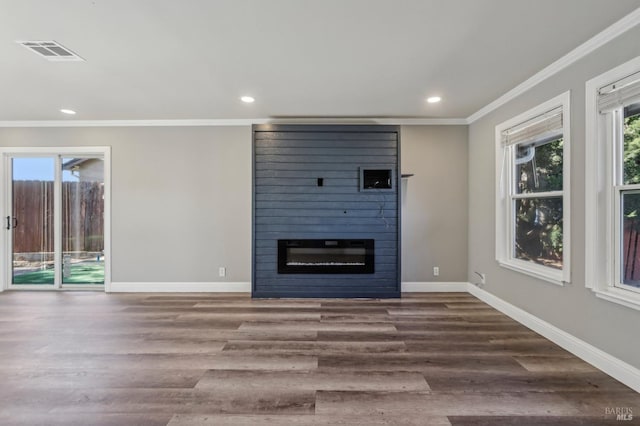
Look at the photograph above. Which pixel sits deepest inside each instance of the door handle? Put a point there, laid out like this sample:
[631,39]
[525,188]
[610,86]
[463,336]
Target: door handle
[12,223]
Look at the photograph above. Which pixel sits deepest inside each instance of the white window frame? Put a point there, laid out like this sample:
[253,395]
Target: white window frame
[80,151]
[505,222]
[603,246]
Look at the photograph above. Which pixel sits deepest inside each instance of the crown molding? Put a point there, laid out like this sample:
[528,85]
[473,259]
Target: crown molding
[423,121]
[233,122]
[134,123]
[600,39]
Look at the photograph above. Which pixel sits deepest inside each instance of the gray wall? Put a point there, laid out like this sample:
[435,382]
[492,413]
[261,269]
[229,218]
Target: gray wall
[572,308]
[181,199]
[434,203]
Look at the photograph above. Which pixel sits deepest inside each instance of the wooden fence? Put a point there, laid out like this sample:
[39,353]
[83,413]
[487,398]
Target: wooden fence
[82,213]
[631,247]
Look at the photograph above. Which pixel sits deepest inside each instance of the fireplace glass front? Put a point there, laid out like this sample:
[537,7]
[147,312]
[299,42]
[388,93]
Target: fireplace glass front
[326,256]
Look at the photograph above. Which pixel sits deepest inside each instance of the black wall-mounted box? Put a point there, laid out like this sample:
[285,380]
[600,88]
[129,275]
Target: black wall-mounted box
[376,179]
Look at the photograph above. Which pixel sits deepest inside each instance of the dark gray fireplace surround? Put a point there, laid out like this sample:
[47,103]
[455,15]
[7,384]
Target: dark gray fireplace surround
[326,211]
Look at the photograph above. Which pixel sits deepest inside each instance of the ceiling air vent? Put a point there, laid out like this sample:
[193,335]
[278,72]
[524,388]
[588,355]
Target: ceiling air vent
[51,50]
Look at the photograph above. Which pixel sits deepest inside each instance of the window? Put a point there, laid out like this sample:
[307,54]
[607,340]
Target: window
[613,184]
[532,195]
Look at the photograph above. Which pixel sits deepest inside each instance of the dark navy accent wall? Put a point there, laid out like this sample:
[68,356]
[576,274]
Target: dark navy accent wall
[306,185]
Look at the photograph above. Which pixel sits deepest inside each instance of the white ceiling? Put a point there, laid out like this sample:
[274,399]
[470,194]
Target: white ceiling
[193,59]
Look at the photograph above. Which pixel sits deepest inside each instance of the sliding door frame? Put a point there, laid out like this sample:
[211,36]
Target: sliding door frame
[6,155]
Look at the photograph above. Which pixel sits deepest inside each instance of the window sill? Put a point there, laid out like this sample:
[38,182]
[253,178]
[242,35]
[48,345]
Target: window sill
[543,273]
[626,298]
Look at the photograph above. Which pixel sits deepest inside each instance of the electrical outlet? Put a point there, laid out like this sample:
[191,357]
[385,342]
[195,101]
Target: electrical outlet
[222,271]
[436,271]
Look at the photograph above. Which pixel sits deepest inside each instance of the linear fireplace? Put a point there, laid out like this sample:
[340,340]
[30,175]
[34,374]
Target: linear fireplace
[326,257]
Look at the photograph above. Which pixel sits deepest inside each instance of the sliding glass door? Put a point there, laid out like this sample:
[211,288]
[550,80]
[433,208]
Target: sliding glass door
[82,221]
[55,220]
[32,220]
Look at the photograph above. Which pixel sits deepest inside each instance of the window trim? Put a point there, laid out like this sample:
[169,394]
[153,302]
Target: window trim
[504,223]
[602,248]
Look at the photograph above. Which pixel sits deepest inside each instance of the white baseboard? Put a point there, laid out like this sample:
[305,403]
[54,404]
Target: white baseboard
[173,287]
[433,287]
[222,286]
[616,368]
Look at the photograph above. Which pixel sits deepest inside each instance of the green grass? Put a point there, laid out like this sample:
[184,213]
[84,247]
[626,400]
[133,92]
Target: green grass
[82,273]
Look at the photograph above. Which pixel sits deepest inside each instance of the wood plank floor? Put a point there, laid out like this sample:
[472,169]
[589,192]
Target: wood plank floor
[83,358]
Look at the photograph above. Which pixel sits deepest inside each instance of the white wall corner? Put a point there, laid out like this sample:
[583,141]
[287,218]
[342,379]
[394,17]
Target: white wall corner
[616,368]
[180,287]
[433,287]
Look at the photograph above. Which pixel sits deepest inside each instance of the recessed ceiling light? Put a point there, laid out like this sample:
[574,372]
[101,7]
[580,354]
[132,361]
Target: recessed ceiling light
[247,99]
[67,111]
[434,99]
